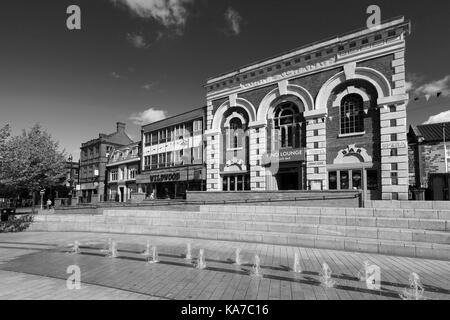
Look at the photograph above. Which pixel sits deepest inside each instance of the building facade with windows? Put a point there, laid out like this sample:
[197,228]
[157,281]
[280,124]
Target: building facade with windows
[429,159]
[93,159]
[327,116]
[121,171]
[173,156]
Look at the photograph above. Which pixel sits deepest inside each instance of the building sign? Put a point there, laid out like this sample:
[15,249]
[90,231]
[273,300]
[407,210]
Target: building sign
[315,163]
[286,155]
[165,177]
[289,73]
[359,154]
[316,151]
[389,145]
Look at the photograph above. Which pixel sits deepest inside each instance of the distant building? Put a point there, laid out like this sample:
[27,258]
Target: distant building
[122,169]
[93,160]
[69,179]
[173,158]
[429,159]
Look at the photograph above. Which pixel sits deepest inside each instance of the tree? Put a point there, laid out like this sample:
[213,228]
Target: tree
[30,161]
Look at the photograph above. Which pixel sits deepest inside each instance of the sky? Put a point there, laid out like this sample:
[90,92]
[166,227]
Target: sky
[137,61]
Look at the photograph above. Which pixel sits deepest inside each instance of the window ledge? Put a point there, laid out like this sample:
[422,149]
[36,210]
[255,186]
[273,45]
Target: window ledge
[351,134]
[234,149]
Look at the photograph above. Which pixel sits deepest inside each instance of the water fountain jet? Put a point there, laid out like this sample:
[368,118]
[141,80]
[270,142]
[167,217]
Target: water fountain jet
[325,277]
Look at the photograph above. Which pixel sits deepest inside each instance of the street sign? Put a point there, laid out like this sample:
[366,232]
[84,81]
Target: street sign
[42,192]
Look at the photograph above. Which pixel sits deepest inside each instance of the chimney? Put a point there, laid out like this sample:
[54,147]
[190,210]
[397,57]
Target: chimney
[120,126]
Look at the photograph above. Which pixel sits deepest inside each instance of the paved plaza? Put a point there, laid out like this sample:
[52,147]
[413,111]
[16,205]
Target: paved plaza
[33,265]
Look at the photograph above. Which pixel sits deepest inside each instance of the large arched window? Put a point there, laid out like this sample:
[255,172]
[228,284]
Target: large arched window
[287,124]
[235,133]
[352,114]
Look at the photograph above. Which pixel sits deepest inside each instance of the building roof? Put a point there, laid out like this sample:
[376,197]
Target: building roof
[333,41]
[432,132]
[174,120]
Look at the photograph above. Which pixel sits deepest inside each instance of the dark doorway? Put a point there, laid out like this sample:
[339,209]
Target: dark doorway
[440,186]
[288,180]
[121,190]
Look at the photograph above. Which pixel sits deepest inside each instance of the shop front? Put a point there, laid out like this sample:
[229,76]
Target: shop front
[353,169]
[287,169]
[172,183]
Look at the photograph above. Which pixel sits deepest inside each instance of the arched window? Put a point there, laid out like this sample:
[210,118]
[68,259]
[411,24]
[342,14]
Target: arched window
[287,124]
[352,114]
[235,133]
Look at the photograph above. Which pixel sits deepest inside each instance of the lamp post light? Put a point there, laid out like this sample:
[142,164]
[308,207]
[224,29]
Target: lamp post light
[70,159]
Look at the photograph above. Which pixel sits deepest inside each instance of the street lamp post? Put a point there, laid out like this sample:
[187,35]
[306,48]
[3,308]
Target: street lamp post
[70,176]
[445,149]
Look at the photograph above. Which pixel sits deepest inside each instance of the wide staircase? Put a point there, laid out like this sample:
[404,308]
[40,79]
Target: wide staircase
[412,231]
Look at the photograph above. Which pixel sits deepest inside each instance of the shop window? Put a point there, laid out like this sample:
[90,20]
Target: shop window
[162,160]
[154,138]
[236,182]
[352,114]
[332,180]
[188,129]
[372,180]
[356,179]
[170,159]
[162,136]
[344,181]
[198,126]
[154,161]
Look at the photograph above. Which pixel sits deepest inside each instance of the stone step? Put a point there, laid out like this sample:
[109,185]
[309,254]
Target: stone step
[279,213]
[374,212]
[337,242]
[272,221]
[383,230]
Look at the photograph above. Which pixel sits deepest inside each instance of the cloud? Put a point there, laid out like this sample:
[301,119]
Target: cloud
[148,116]
[137,40]
[438,118]
[234,21]
[148,86]
[169,13]
[432,88]
[409,85]
[116,75]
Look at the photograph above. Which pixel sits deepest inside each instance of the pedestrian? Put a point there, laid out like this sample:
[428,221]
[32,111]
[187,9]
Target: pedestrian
[49,204]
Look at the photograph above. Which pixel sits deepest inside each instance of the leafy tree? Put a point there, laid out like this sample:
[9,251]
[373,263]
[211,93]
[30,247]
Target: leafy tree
[30,161]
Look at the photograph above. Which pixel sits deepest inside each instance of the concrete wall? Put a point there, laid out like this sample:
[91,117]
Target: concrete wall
[349,199]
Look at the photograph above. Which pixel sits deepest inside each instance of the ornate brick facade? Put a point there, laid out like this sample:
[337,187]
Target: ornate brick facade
[327,116]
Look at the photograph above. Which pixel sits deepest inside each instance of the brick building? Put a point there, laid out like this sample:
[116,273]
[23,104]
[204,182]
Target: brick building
[122,169]
[93,160]
[429,159]
[173,156]
[327,116]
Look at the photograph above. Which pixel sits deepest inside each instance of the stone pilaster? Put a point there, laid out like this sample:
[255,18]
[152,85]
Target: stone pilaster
[393,122]
[316,169]
[257,149]
[213,182]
